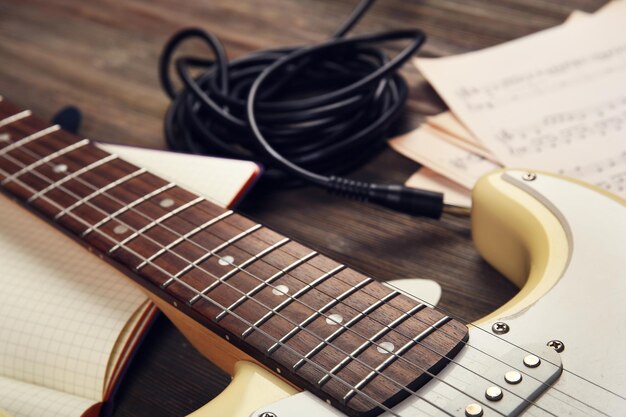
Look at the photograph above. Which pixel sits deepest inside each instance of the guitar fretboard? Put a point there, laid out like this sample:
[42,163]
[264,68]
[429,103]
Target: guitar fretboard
[326,327]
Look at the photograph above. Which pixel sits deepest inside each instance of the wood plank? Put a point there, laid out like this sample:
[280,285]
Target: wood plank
[102,57]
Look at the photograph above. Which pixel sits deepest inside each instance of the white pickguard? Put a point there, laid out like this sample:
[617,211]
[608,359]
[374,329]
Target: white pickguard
[586,310]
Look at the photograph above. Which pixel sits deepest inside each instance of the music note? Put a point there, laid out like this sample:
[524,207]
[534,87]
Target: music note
[552,101]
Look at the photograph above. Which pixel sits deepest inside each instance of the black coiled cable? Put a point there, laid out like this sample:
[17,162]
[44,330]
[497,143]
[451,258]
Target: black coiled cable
[303,112]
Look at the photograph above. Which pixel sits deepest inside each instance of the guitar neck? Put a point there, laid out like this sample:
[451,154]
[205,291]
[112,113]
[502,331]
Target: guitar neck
[323,326]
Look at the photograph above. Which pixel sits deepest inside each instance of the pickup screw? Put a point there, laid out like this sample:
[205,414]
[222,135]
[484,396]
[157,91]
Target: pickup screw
[529,176]
[500,327]
[556,345]
[266,414]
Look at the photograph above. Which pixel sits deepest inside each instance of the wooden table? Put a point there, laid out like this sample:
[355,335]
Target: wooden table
[102,57]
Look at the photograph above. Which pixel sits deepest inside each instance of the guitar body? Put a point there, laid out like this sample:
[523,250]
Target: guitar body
[562,242]
[305,336]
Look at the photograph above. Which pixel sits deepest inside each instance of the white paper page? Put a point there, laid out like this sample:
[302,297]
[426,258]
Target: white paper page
[20,399]
[448,122]
[62,309]
[452,127]
[217,179]
[555,100]
[425,146]
[477,149]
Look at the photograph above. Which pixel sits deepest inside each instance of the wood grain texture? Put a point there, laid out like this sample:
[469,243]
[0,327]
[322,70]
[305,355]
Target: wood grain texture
[101,56]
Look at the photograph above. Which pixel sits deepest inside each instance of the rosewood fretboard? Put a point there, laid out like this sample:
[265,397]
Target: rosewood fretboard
[327,328]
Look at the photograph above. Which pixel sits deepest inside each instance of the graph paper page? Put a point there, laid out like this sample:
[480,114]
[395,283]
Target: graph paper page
[59,324]
[20,399]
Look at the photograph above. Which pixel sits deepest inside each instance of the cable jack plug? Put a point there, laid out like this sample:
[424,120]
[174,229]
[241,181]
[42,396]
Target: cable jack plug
[396,197]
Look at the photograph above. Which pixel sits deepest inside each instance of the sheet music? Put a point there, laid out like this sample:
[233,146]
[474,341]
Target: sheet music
[555,100]
[449,123]
[426,147]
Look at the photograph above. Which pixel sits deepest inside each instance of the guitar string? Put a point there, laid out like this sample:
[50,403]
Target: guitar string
[246,322]
[408,337]
[348,306]
[469,345]
[293,323]
[384,326]
[323,315]
[271,338]
[334,376]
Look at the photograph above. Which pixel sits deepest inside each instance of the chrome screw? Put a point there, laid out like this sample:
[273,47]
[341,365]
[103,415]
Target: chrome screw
[500,327]
[529,176]
[556,345]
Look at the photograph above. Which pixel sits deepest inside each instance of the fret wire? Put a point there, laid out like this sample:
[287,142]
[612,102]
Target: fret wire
[500,360]
[28,139]
[339,379]
[292,297]
[318,313]
[278,308]
[100,191]
[44,160]
[236,315]
[390,359]
[128,207]
[311,254]
[268,307]
[187,235]
[328,340]
[156,222]
[265,283]
[486,354]
[207,255]
[356,359]
[240,267]
[453,361]
[182,282]
[368,342]
[14,118]
[314,309]
[72,175]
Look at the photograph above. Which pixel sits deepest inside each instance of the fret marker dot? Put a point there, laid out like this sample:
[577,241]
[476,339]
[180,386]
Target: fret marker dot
[58,169]
[334,319]
[385,347]
[166,202]
[120,230]
[280,290]
[226,260]
[5,137]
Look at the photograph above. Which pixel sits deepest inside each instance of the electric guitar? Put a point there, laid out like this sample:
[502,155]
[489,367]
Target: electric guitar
[305,336]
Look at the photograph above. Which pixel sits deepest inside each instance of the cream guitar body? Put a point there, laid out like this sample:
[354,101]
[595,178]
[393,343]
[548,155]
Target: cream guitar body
[556,349]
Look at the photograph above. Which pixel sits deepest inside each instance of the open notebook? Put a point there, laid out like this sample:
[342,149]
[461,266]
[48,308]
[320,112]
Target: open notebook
[69,322]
